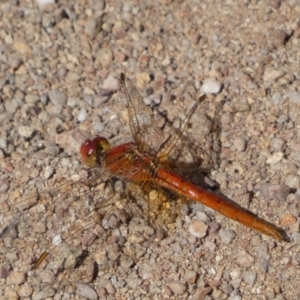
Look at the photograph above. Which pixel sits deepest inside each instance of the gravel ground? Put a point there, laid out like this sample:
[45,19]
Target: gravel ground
[59,66]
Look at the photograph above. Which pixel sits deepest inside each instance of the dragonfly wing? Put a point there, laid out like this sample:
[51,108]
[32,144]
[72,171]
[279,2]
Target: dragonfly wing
[143,126]
[192,141]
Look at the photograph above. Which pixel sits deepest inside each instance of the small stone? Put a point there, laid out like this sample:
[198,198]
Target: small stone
[211,86]
[198,228]
[227,235]
[271,74]
[16,278]
[3,143]
[282,119]
[294,96]
[32,99]
[57,97]
[277,144]
[48,172]
[104,58]
[11,295]
[93,27]
[111,83]
[277,192]
[278,38]
[275,158]
[25,131]
[142,80]
[82,115]
[85,290]
[288,220]
[240,144]
[43,294]
[250,277]
[110,288]
[42,3]
[99,126]
[202,216]
[24,49]
[154,99]
[241,106]
[190,276]
[244,259]
[226,118]
[25,290]
[274,3]
[177,287]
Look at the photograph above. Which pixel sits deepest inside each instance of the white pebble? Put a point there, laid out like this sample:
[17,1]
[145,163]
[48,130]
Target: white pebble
[82,115]
[99,126]
[42,3]
[48,172]
[275,158]
[211,86]
[56,240]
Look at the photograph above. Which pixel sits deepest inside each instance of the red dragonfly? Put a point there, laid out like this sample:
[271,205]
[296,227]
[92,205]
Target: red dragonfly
[145,162]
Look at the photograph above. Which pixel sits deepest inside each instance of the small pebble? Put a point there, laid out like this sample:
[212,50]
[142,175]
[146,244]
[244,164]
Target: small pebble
[277,192]
[288,220]
[25,131]
[278,38]
[142,80]
[275,158]
[198,228]
[271,74]
[93,27]
[211,86]
[3,143]
[294,96]
[244,259]
[32,99]
[177,287]
[240,144]
[190,276]
[241,106]
[48,172]
[277,144]
[249,277]
[85,290]
[16,278]
[104,58]
[42,3]
[57,97]
[82,115]
[111,83]
[227,235]
[25,290]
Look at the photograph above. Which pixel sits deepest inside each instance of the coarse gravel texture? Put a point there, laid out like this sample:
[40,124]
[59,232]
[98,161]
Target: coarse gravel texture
[59,70]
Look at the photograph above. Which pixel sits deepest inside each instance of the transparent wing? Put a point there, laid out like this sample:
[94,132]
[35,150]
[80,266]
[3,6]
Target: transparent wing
[144,128]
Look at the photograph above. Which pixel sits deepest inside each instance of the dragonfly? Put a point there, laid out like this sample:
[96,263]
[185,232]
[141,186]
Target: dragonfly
[142,162]
[146,162]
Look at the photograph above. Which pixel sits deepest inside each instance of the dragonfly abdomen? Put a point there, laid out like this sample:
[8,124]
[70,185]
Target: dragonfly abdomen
[227,208]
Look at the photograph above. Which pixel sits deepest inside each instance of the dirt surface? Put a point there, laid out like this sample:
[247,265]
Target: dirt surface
[59,71]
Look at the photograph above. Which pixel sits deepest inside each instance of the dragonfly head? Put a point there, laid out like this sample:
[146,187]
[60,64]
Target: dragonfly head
[92,150]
